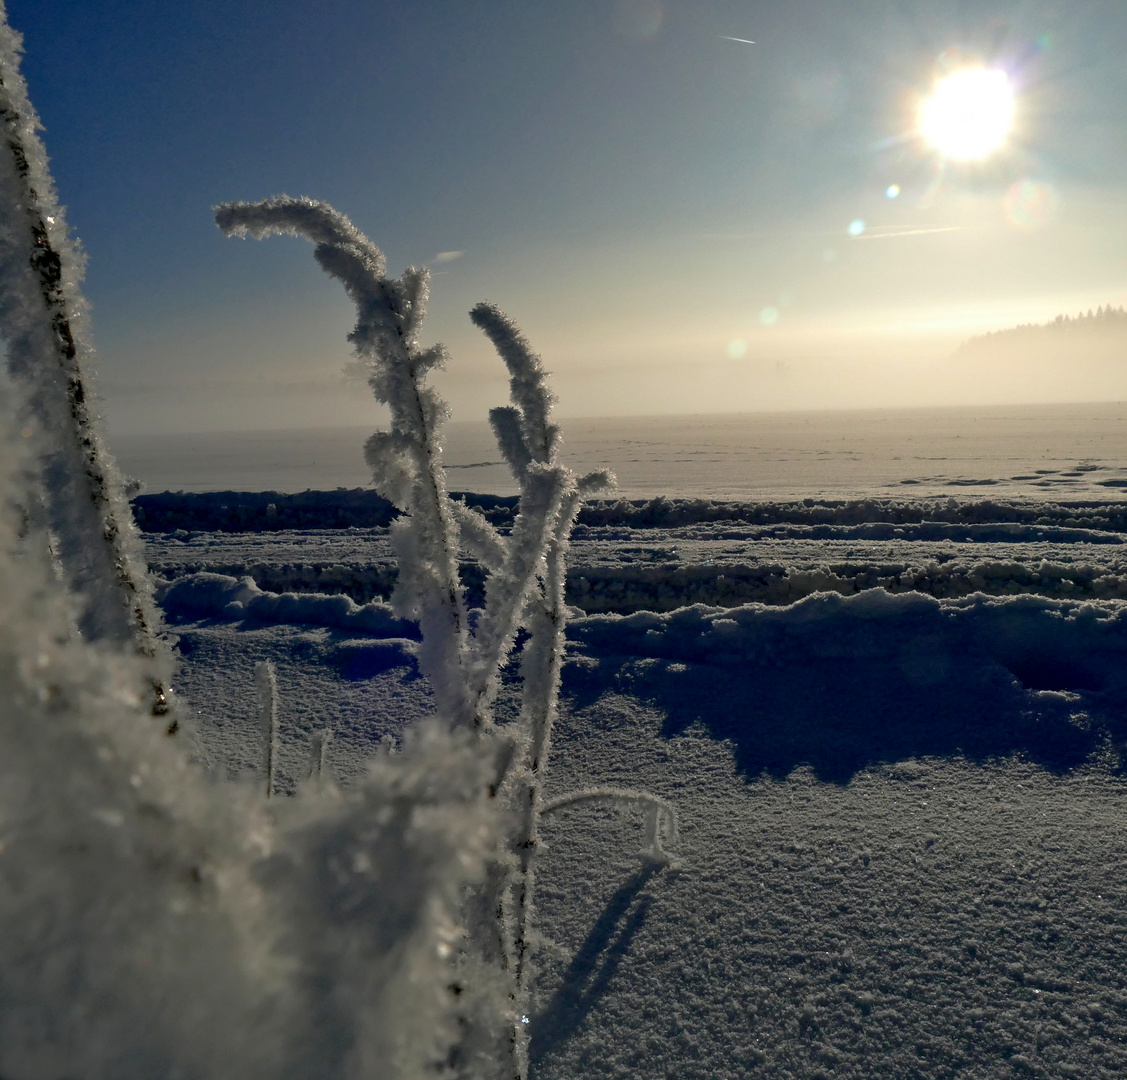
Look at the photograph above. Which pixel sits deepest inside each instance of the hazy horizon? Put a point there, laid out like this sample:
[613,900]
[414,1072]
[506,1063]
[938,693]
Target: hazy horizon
[785,385]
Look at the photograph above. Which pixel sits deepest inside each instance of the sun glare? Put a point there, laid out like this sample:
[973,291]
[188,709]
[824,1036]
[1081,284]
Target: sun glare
[969,114]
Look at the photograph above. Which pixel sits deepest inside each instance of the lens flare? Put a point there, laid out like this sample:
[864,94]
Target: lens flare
[969,114]
[1029,204]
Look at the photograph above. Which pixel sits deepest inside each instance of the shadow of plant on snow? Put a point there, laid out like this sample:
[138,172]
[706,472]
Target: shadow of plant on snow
[592,968]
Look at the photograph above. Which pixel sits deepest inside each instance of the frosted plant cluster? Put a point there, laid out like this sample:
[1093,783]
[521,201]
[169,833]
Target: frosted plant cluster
[156,921]
[153,920]
[463,656]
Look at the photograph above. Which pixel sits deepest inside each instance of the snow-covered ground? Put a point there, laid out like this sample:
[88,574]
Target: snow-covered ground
[901,808]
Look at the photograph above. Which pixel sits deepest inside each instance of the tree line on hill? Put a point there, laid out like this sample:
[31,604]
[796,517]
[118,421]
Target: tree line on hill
[1105,324]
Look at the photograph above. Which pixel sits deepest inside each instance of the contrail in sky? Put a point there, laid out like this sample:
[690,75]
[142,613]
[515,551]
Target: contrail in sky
[893,234]
[741,40]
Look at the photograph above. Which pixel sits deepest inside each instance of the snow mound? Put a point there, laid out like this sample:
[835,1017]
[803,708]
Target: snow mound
[217,596]
[1044,639]
[663,513]
[841,684]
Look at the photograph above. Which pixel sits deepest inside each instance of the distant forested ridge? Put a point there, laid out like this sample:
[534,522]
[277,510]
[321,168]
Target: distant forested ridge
[1072,358]
[1105,324]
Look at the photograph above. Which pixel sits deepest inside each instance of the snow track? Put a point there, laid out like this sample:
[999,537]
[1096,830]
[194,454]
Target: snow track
[661,555]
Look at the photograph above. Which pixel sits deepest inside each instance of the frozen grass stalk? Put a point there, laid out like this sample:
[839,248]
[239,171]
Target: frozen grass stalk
[659,823]
[318,754]
[74,496]
[408,459]
[526,569]
[266,683]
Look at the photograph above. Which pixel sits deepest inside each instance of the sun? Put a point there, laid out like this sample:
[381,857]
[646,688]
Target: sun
[969,114]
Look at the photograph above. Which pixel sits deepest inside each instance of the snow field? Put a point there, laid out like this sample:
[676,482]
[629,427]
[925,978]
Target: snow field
[930,918]
[901,848]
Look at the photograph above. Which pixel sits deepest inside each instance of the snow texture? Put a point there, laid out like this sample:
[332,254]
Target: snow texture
[772,556]
[218,596]
[923,519]
[899,849]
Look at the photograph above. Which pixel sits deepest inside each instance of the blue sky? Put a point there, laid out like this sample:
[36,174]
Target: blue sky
[665,211]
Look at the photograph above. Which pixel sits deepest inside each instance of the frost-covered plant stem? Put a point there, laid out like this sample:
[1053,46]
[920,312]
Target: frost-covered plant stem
[540,670]
[660,816]
[529,442]
[318,754]
[407,460]
[42,312]
[266,683]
